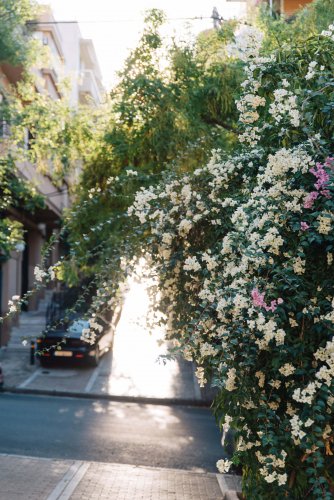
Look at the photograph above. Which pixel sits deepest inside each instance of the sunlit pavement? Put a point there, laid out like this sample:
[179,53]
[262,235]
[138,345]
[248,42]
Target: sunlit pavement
[132,369]
[45,479]
[136,369]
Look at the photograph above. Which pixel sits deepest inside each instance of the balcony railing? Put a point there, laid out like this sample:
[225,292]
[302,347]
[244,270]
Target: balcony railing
[88,88]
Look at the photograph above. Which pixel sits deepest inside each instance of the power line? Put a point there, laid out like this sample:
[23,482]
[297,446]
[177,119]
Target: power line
[106,21]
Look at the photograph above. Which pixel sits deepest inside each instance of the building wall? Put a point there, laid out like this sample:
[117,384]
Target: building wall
[71,37]
[69,57]
[285,7]
[291,6]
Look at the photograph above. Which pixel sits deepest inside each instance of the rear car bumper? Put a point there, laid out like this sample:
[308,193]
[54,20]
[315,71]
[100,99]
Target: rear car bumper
[66,354]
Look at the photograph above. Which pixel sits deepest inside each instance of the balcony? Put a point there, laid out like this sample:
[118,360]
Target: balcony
[89,91]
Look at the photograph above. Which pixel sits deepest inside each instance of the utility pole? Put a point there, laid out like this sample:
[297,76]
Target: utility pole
[217,20]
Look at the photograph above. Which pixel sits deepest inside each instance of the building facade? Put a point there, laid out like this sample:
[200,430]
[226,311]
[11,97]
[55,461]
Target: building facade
[71,58]
[286,8]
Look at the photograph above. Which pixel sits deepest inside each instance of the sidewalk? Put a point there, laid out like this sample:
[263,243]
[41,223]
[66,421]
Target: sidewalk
[31,478]
[15,358]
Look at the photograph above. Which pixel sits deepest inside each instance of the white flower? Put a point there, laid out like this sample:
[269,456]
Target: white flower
[200,376]
[299,265]
[306,395]
[311,70]
[184,227]
[227,420]
[287,369]
[261,376]
[285,106]
[230,382]
[88,336]
[325,224]
[167,238]
[94,325]
[39,273]
[207,350]
[223,465]
[191,264]
[282,479]
[296,425]
[12,308]
[270,478]
[52,273]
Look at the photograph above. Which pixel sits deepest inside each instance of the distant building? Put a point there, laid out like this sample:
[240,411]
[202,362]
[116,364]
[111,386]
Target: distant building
[90,86]
[284,7]
[289,7]
[73,58]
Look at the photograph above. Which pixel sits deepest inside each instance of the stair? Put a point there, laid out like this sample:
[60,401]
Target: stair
[31,324]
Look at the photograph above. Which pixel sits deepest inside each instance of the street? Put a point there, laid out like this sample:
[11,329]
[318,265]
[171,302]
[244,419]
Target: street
[126,433]
[81,443]
[132,368]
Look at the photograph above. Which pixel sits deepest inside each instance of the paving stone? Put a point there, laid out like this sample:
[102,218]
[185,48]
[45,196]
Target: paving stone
[124,482]
[29,478]
[26,478]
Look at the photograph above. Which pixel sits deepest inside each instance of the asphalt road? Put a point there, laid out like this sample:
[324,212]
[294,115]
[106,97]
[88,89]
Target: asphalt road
[136,434]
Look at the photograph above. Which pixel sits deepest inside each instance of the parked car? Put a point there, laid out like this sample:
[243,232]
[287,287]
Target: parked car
[1,378]
[66,344]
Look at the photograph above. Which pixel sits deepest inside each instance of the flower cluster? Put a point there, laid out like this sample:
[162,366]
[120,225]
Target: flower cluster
[247,44]
[89,334]
[321,172]
[258,300]
[42,275]
[243,250]
[285,105]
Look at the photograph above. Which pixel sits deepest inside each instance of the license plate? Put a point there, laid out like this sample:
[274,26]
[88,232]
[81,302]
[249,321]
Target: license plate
[65,354]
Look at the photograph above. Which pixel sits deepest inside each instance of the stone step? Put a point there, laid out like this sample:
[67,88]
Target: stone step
[31,323]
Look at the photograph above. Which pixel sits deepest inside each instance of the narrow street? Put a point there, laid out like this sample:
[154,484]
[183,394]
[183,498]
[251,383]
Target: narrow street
[89,443]
[69,428]
[133,367]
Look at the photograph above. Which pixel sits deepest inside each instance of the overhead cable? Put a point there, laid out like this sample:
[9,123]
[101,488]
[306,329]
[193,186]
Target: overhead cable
[106,21]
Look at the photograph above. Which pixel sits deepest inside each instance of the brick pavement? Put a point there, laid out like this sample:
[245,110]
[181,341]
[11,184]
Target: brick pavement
[125,482]
[25,478]
[28,478]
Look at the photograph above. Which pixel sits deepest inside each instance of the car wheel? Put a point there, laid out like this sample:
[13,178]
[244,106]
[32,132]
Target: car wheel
[96,357]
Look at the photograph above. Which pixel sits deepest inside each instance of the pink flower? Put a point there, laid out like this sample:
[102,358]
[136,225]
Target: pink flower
[329,162]
[321,175]
[309,200]
[272,307]
[304,226]
[323,179]
[326,193]
[258,301]
[258,298]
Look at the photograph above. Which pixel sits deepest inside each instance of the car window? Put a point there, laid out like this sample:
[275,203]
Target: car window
[77,326]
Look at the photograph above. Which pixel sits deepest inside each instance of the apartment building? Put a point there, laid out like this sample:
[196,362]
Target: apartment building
[71,58]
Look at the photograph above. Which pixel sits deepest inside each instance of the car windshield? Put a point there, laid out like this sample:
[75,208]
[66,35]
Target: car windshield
[75,329]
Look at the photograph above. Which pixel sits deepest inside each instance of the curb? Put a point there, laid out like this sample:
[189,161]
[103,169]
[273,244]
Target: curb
[230,486]
[111,397]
